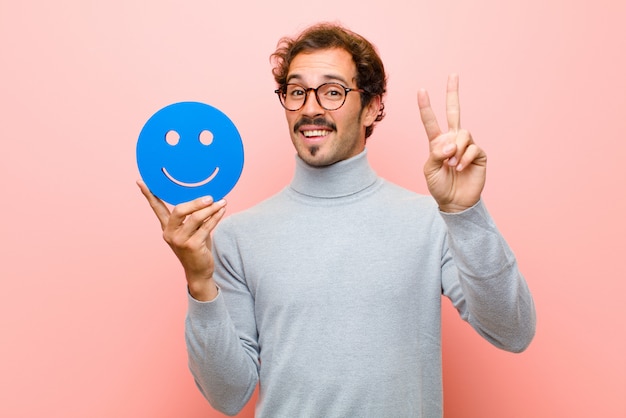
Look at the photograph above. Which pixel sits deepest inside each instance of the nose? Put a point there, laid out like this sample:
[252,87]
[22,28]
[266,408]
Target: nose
[311,106]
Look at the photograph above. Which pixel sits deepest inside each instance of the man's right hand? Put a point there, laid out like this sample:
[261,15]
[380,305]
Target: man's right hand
[187,230]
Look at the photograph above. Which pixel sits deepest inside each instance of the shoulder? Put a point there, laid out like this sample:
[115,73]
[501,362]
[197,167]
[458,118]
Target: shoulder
[404,197]
[259,214]
[412,211]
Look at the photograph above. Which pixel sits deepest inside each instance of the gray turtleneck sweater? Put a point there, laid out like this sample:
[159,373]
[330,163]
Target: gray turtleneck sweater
[330,297]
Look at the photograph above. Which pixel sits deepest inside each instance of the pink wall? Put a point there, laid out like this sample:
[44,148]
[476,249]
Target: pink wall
[92,302]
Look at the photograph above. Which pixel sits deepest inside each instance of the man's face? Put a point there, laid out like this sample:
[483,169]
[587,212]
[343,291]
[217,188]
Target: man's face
[322,137]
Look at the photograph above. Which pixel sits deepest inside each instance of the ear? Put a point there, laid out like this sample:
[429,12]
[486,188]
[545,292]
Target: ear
[371,111]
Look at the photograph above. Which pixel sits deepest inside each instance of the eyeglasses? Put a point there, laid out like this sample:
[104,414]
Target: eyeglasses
[330,96]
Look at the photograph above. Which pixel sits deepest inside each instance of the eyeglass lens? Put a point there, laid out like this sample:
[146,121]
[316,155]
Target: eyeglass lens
[330,96]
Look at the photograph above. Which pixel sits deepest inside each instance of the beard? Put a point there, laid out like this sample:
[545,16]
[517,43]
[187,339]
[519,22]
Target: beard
[313,150]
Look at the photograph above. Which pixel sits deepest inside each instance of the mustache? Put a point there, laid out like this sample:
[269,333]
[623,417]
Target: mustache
[316,121]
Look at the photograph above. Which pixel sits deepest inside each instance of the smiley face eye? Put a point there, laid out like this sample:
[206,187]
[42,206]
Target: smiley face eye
[206,137]
[172,137]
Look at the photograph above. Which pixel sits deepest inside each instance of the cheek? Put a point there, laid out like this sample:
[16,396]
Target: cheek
[351,121]
[352,115]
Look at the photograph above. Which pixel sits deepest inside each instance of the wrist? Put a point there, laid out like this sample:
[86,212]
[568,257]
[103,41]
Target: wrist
[204,290]
[454,208]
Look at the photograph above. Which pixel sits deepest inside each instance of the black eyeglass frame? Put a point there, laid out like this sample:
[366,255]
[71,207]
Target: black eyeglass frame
[282,93]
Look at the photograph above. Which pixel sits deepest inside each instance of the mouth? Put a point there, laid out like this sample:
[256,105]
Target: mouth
[184,184]
[314,129]
[315,133]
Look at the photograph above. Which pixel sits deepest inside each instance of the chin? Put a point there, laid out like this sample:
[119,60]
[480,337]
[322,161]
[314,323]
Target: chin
[315,157]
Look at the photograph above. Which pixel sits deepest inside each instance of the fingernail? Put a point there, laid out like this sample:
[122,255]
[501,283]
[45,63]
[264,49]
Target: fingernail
[207,199]
[459,167]
[452,161]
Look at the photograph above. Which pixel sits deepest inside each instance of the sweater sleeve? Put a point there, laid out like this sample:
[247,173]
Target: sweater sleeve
[481,278]
[222,342]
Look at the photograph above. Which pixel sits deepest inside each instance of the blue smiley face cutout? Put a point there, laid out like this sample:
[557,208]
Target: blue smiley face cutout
[187,150]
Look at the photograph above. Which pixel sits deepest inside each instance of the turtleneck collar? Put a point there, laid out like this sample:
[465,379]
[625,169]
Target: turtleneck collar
[343,178]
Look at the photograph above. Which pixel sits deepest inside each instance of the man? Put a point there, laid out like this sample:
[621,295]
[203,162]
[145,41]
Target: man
[329,293]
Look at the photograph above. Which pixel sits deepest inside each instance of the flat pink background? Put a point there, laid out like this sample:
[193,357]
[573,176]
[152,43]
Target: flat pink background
[93,302]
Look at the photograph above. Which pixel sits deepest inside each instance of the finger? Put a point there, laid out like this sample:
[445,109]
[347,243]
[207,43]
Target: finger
[442,150]
[200,237]
[453,108]
[472,153]
[182,210]
[211,223]
[428,116]
[462,139]
[197,220]
[157,205]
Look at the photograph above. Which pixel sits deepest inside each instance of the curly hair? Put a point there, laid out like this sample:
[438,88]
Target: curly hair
[370,70]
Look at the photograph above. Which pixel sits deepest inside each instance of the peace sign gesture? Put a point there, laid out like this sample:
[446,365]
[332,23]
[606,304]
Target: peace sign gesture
[456,167]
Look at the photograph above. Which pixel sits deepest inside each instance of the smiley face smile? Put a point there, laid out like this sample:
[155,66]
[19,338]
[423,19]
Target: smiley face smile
[197,184]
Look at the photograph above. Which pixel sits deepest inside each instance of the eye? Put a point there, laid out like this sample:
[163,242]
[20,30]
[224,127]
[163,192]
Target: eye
[333,91]
[206,137]
[295,91]
[172,137]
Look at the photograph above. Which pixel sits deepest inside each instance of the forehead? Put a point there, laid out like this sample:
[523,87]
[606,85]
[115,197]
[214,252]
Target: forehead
[322,66]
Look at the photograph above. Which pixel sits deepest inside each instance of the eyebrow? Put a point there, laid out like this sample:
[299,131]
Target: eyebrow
[327,78]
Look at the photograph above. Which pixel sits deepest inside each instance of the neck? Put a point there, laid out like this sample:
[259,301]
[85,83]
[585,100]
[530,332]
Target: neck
[343,178]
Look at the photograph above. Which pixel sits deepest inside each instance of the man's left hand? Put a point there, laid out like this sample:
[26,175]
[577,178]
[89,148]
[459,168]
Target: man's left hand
[456,167]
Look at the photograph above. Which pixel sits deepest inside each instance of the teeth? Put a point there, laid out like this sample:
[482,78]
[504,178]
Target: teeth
[320,132]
